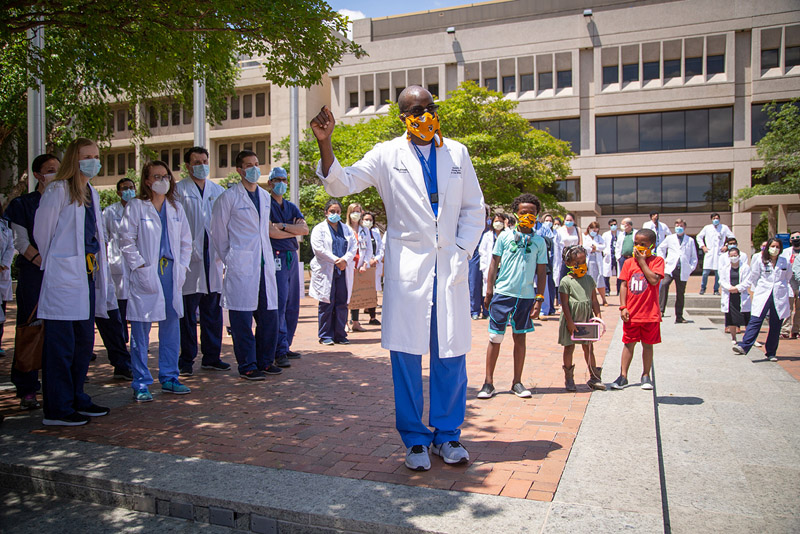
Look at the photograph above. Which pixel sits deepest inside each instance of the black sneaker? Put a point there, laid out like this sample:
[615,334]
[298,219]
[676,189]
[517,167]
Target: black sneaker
[217,366]
[94,411]
[292,355]
[487,392]
[186,372]
[73,419]
[619,383]
[255,374]
[123,374]
[273,370]
[282,361]
[344,341]
[520,391]
[374,322]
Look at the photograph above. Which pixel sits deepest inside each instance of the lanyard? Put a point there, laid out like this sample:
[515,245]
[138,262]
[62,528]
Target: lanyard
[429,171]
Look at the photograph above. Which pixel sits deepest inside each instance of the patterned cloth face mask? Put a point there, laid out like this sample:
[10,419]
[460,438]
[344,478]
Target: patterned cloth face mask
[579,270]
[426,127]
[527,220]
[647,251]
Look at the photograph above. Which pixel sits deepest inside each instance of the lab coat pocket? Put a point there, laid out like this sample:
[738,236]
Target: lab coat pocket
[240,262]
[143,281]
[459,265]
[71,269]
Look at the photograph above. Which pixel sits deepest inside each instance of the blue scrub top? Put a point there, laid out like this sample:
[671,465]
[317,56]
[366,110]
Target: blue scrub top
[339,247]
[165,251]
[256,201]
[90,243]
[286,212]
[22,211]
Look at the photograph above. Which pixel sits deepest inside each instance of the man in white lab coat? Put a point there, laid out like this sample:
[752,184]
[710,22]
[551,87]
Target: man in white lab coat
[435,214]
[661,229]
[240,235]
[201,291]
[710,239]
[680,260]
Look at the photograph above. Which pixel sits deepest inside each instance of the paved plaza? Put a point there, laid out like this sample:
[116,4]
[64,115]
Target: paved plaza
[316,447]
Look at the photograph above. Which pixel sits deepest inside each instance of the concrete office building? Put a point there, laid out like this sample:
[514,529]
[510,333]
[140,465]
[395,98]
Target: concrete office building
[661,100]
[256,118]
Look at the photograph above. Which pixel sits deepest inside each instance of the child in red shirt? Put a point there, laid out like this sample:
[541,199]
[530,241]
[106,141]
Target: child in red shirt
[639,306]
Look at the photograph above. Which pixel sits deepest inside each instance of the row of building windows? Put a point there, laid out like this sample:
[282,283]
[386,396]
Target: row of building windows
[677,193]
[117,164]
[526,82]
[651,70]
[565,129]
[383,96]
[226,154]
[665,130]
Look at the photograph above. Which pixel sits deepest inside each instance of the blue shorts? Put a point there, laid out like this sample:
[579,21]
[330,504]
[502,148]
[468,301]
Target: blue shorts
[503,309]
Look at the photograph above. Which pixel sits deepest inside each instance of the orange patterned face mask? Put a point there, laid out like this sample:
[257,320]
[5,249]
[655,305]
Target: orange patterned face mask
[426,127]
[579,270]
[647,251]
[527,220]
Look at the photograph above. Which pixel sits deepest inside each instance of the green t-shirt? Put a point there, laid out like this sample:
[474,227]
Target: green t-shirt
[627,245]
[519,255]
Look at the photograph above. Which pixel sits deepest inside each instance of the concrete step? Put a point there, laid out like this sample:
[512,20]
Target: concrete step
[696,301]
[704,312]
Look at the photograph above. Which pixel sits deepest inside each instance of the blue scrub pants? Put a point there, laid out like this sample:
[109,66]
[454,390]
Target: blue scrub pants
[169,342]
[29,283]
[549,304]
[332,316]
[476,286]
[288,298]
[448,393]
[754,327]
[123,315]
[66,354]
[112,332]
[210,324]
[704,281]
[255,352]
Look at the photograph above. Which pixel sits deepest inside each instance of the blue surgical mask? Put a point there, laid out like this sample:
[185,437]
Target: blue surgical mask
[279,188]
[592,233]
[548,224]
[715,222]
[128,195]
[252,174]
[334,218]
[90,167]
[613,227]
[569,224]
[200,172]
[679,230]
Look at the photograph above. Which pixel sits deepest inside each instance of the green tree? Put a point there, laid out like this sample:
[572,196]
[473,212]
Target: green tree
[509,156]
[780,151]
[137,52]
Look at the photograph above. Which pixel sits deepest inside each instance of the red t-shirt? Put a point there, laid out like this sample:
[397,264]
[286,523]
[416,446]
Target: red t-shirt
[642,299]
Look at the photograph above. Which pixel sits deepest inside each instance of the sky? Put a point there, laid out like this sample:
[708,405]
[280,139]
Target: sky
[370,8]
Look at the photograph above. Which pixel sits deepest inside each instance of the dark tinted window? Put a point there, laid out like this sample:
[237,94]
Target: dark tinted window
[769,58]
[491,83]
[650,131]
[696,128]
[648,194]
[605,191]
[261,107]
[176,114]
[176,159]
[121,120]
[694,66]
[509,84]
[552,127]
[665,194]
[720,127]
[235,107]
[261,151]
[698,192]
[610,74]
[568,190]
[673,193]
[354,100]
[606,134]
[570,130]
[433,89]
[222,157]
[672,130]
[545,80]
[526,82]
[792,56]
[247,106]
[564,78]
[121,163]
[625,195]
[628,133]
[630,73]
[369,98]
[651,70]
[672,68]
[715,64]
[187,116]
[384,96]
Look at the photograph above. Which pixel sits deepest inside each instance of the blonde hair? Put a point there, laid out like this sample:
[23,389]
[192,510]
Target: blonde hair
[350,209]
[70,169]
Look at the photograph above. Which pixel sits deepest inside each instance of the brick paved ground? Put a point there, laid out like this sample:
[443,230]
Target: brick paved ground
[332,413]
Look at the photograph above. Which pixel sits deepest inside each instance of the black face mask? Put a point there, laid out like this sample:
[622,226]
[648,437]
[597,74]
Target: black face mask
[795,243]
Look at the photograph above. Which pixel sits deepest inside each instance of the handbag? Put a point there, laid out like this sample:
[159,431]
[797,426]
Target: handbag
[28,343]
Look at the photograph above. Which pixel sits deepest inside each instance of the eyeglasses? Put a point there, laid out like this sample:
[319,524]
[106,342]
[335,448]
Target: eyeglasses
[417,111]
[157,177]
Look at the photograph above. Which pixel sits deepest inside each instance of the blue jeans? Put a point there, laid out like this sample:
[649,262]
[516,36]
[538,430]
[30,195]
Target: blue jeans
[476,286]
[332,316]
[169,342]
[210,329]
[754,327]
[704,281]
[448,393]
[288,298]
[66,354]
[255,352]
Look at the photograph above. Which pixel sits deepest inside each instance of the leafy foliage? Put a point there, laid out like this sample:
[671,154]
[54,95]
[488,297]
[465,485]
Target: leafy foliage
[509,156]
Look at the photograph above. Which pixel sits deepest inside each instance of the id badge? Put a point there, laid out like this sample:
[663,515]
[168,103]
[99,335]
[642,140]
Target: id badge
[277,264]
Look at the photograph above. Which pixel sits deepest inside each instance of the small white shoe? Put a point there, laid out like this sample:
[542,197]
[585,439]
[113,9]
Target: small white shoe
[452,452]
[418,458]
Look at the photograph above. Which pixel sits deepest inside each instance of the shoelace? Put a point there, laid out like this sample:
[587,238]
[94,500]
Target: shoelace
[417,449]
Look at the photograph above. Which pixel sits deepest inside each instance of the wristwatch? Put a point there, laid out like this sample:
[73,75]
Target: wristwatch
[284,227]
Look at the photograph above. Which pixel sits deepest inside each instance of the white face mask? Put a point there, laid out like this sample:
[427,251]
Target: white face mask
[774,251]
[367,224]
[355,216]
[160,187]
[735,260]
[498,225]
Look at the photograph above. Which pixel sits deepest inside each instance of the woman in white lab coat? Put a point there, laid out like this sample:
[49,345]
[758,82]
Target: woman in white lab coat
[375,243]
[68,231]
[156,244]
[361,261]
[595,245]
[569,235]
[769,278]
[334,247]
[6,255]
[486,245]
[735,303]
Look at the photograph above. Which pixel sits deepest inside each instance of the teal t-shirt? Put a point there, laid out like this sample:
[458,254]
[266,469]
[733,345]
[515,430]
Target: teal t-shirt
[519,255]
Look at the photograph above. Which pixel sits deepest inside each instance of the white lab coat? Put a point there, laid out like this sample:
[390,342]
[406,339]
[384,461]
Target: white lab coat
[58,232]
[120,272]
[323,260]
[379,248]
[485,248]
[766,280]
[594,260]
[661,233]
[364,244]
[713,237]
[608,251]
[140,243]
[672,250]
[198,212]
[242,240]
[6,256]
[420,245]
[725,259]
[725,287]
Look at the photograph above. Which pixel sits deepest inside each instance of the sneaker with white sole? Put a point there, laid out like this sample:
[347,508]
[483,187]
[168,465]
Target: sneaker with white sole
[773,358]
[452,452]
[646,382]
[417,458]
[758,344]
[487,392]
[619,383]
[520,391]
[737,349]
